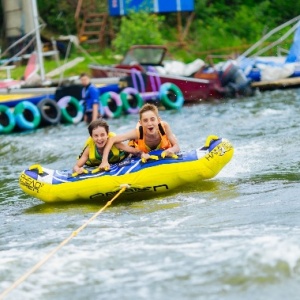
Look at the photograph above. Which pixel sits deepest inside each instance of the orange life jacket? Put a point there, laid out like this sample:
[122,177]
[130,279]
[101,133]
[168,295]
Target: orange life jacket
[141,144]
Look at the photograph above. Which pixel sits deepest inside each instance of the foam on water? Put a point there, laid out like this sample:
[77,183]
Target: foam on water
[233,237]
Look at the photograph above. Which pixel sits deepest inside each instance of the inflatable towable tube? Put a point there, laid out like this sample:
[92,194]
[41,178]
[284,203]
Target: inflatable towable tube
[157,175]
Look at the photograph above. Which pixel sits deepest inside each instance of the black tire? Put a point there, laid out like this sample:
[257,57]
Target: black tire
[50,111]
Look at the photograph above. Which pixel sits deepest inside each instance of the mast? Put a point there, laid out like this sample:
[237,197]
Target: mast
[38,38]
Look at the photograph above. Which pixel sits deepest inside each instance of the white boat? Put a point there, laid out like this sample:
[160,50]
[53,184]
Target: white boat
[286,64]
[267,72]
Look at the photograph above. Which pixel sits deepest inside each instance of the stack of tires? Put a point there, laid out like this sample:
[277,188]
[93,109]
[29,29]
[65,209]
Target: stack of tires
[68,109]
[26,115]
[129,101]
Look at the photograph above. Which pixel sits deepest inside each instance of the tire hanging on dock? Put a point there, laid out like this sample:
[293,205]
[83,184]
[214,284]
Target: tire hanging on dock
[71,110]
[132,100]
[27,115]
[112,104]
[50,111]
[7,119]
[171,96]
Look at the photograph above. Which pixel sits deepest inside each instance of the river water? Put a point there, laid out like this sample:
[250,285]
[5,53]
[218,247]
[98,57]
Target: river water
[236,236]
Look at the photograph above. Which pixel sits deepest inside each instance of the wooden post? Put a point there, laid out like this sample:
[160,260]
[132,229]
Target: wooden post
[182,34]
[188,25]
[179,28]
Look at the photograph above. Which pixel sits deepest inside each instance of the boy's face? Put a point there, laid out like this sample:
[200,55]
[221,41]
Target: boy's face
[100,136]
[85,80]
[149,121]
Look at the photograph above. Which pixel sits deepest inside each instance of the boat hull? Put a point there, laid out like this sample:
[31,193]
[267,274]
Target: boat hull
[193,89]
[141,179]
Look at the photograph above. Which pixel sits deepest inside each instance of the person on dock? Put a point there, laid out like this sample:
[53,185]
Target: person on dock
[92,152]
[90,96]
[151,133]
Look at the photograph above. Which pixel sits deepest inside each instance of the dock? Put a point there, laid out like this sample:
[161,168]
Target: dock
[284,83]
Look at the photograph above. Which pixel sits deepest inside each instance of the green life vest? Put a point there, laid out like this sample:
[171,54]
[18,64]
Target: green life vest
[95,158]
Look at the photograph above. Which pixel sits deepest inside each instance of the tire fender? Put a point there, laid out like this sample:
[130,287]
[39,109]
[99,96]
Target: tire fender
[132,100]
[7,119]
[71,110]
[27,115]
[50,111]
[171,96]
[112,104]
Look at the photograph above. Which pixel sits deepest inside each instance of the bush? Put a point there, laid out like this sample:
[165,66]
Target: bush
[138,29]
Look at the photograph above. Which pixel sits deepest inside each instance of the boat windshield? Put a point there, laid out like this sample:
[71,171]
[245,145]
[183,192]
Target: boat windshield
[144,56]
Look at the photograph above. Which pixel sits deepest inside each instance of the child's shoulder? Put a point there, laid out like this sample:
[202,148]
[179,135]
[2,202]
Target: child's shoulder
[111,134]
[165,123]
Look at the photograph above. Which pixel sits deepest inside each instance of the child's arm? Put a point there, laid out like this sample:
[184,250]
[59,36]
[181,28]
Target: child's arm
[172,138]
[128,149]
[78,168]
[131,135]
[95,112]
[94,93]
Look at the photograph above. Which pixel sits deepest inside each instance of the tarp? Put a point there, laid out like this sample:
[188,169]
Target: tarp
[123,7]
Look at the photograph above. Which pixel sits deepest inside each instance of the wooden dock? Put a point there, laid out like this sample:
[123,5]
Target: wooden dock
[284,83]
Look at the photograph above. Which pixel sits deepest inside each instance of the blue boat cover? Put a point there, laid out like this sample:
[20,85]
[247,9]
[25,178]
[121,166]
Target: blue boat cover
[294,53]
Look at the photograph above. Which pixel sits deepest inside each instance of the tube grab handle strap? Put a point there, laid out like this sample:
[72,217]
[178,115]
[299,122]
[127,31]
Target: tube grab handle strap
[36,167]
[76,174]
[152,157]
[163,155]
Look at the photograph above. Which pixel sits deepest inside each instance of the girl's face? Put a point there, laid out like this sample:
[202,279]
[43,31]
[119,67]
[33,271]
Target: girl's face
[149,121]
[100,136]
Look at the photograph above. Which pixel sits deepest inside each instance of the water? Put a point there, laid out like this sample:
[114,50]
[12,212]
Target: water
[236,236]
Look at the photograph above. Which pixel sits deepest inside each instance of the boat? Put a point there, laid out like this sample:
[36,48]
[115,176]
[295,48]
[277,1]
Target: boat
[275,71]
[145,68]
[142,179]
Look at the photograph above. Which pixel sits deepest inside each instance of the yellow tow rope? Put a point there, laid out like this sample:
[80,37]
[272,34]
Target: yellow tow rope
[74,233]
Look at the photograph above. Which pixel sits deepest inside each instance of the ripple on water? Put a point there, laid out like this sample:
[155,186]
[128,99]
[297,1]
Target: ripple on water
[233,237]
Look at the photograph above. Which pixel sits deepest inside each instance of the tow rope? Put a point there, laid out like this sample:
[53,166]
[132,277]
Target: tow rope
[50,254]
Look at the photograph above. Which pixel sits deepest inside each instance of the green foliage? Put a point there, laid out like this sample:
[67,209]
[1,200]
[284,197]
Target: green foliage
[245,25]
[58,15]
[138,29]
[1,14]
[282,10]
[219,27]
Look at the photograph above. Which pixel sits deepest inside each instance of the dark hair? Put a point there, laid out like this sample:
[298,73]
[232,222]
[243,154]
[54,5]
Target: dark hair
[83,75]
[98,123]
